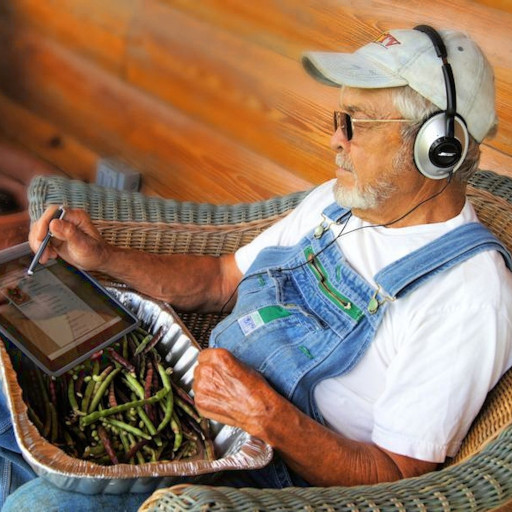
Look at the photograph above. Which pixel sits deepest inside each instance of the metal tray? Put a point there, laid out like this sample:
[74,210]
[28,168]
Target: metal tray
[235,449]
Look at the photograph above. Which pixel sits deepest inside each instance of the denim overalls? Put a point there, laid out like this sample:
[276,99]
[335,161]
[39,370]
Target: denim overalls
[304,315]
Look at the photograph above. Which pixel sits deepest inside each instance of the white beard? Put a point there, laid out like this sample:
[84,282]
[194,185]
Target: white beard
[363,198]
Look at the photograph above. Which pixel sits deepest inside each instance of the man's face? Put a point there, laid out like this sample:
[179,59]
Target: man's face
[374,165]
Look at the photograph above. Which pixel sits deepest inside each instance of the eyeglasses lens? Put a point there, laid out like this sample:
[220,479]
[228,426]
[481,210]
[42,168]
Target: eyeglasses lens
[342,120]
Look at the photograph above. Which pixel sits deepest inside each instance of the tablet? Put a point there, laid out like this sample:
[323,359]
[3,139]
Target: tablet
[59,315]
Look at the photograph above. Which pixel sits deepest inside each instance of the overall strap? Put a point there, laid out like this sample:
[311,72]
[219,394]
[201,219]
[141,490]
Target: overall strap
[335,212]
[409,272]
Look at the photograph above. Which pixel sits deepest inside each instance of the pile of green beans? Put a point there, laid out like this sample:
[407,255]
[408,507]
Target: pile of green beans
[120,406]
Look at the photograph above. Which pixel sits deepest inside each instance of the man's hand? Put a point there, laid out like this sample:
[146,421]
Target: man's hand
[75,239]
[229,391]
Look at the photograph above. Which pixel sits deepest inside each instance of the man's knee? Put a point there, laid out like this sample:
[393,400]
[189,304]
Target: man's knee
[41,496]
[31,496]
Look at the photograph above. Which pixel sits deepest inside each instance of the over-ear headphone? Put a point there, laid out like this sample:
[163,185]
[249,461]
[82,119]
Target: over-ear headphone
[442,141]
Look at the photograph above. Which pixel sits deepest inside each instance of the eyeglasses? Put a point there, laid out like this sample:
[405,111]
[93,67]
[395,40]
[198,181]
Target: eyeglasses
[346,122]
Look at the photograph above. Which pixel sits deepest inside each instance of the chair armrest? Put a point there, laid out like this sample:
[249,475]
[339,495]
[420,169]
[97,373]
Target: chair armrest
[118,205]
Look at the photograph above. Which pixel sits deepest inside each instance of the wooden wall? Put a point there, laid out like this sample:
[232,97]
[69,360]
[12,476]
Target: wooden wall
[206,98]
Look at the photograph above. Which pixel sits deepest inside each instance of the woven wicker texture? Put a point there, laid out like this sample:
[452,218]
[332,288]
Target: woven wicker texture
[478,479]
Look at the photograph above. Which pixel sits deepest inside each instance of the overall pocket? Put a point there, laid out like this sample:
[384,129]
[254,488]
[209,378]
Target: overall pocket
[269,318]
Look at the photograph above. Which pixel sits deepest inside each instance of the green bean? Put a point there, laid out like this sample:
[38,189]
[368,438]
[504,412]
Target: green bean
[135,449]
[124,347]
[149,425]
[209,449]
[105,440]
[93,451]
[167,408]
[143,344]
[118,358]
[127,427]
[72,397]
[96,415]
[164,376]
[125,400]
[178,434]
[154,341]
[34,418]
[47,420]
[188,409]
[134,385]
[102,389]
[87,396]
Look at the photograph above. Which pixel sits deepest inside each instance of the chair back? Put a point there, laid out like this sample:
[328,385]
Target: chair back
[493,204]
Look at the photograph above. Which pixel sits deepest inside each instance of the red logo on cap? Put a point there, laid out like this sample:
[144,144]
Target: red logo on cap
[386,40]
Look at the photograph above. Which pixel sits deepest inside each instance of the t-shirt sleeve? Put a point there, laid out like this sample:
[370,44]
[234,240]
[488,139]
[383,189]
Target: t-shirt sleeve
[441,374]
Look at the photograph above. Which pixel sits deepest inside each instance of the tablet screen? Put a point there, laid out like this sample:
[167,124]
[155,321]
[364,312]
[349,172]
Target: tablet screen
[59,315]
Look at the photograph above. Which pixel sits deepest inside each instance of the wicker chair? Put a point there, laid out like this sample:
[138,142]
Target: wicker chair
[480,476]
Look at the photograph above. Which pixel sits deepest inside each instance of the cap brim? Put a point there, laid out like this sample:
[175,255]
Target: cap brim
[350,69]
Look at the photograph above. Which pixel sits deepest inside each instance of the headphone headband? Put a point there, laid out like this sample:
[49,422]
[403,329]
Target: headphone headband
[449,80]
[438,150]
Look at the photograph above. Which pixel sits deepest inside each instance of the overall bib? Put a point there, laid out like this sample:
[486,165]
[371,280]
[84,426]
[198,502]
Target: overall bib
[304,315]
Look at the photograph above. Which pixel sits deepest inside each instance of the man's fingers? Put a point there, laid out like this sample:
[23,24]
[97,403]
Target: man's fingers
[38,231]
[40,227]
[82,221]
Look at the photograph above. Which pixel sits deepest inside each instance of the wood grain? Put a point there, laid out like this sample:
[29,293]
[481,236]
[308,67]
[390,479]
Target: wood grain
[206,98]
[147,133]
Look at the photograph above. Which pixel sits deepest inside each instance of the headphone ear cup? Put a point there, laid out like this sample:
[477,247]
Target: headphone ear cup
[436,154]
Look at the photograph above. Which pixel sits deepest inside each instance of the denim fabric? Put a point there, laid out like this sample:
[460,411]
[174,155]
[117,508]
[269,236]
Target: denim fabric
[297,321]
[14,471]
[41,496]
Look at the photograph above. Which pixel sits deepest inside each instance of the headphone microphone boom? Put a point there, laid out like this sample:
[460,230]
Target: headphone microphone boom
[442,141]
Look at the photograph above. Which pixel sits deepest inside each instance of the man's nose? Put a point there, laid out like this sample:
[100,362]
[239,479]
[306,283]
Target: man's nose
[339,140]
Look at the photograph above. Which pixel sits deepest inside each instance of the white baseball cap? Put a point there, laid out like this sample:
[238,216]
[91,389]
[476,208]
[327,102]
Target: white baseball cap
[408,57]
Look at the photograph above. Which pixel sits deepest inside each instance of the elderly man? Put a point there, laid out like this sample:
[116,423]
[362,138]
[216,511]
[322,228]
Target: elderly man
[374,318]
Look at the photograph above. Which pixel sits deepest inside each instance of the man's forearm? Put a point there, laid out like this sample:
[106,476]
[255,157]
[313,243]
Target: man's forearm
[201,283]
[230,392]
[324,458]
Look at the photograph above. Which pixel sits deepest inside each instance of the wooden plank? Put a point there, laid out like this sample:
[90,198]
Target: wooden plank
[228,64]
[177,156]
[290,26]
[253,95]
[502,5]
[105,28]
[495,160]
[39,138]
[46,141]
[97,29]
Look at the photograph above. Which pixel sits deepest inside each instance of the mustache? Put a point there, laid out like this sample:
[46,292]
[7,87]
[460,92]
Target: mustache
[345,162]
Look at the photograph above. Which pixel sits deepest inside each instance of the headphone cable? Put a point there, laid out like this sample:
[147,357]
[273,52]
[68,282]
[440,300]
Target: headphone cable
[337,237]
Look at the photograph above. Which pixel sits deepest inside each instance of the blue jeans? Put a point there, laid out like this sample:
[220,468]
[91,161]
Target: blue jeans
[14,471]
[40,495]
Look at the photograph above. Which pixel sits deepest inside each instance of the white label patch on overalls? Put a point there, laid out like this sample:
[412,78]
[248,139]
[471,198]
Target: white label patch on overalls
[249,323]
[252,321]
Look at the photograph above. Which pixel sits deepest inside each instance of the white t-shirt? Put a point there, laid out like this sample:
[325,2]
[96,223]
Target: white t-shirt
[438,351]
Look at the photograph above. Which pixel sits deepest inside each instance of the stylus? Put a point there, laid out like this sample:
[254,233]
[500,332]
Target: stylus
[59,214]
